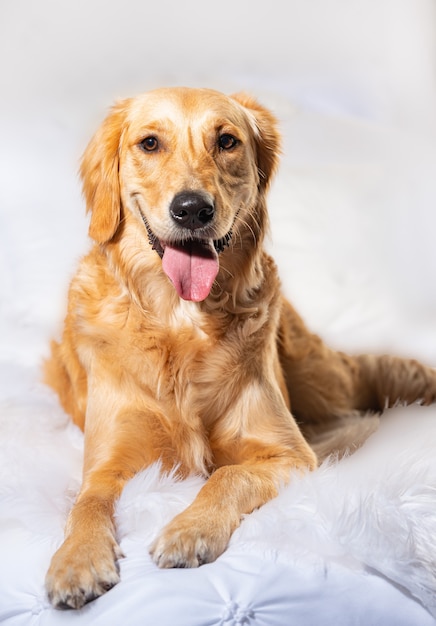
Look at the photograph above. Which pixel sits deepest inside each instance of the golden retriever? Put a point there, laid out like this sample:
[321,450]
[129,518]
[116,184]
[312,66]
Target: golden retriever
[178,345]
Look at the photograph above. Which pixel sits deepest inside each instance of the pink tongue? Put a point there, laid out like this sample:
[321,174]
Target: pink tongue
[192,268]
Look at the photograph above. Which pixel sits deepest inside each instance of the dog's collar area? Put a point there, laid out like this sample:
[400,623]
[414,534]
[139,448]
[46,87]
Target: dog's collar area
[219,244]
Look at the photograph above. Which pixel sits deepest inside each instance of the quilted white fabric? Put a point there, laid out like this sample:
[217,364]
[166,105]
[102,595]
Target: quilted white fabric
[353,222]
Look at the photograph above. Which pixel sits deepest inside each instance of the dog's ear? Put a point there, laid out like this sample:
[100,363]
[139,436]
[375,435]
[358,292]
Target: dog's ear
[266,136]
[99,172]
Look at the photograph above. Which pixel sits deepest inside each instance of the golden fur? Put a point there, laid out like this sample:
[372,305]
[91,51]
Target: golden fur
[204,382]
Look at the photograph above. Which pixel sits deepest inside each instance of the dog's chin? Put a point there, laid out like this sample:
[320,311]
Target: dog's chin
[191,264]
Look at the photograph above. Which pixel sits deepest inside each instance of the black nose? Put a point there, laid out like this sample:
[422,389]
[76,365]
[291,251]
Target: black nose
[191,209]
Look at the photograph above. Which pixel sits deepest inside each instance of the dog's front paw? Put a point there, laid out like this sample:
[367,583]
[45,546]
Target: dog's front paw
[80,572]
[190,541]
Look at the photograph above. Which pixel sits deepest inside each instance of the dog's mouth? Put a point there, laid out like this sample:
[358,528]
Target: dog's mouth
[192,265]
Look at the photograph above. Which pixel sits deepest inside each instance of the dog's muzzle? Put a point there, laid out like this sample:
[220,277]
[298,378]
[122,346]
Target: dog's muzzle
[192,262]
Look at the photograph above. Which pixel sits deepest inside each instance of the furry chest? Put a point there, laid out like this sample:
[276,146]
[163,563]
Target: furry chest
[168,356]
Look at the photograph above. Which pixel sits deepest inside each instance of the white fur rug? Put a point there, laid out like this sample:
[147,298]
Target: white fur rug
[373,512]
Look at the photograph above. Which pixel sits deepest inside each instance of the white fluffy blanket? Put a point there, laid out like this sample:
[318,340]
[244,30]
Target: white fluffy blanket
[372,512]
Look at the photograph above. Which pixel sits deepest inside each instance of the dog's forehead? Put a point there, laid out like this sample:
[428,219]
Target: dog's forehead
[184,107]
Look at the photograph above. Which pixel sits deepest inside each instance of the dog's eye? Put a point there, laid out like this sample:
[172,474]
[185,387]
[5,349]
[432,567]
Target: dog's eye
[227,142]
[149,144]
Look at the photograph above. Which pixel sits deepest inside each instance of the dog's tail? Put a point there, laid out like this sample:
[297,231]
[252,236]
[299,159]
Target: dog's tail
[380,382]
[329,391]
[385,381]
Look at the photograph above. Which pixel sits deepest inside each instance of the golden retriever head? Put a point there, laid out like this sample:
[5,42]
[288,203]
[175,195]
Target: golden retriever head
[191,167]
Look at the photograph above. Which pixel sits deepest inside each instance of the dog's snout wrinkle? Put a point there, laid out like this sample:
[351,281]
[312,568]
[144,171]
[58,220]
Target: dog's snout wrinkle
[192,209]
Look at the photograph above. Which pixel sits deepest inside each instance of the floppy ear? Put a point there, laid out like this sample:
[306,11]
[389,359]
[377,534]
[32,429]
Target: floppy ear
[99,172]
[266,136]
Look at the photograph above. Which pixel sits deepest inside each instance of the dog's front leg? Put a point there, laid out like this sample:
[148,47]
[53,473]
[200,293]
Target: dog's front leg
[85,566]
[257,447]
[118,443]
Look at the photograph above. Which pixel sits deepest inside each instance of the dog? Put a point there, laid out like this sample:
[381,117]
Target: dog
[178,345]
